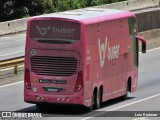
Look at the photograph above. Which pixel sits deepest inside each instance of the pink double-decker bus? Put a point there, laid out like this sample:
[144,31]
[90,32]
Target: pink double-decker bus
[82,57]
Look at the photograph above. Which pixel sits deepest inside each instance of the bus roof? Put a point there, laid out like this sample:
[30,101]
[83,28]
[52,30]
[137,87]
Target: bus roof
[90,15]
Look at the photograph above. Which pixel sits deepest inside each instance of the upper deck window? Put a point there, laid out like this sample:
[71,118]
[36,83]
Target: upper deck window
[55,31]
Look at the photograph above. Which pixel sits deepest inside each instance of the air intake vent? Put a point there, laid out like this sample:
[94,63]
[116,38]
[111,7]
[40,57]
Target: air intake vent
[53,66]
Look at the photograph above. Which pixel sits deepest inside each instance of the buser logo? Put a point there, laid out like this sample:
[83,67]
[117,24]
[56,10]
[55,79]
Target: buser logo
[113,51]
[44,30]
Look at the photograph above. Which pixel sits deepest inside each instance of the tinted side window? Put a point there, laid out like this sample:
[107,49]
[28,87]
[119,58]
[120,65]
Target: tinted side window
[133,32]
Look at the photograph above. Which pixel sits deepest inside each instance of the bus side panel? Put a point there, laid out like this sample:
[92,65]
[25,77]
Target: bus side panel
[115,65]
[104,41]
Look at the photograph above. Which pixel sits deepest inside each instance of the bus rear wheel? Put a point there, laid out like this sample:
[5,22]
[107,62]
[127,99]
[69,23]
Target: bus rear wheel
[94,102]
[98,100]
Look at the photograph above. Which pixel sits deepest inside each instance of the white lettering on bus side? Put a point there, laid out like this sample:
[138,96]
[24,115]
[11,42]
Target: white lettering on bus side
[102,51]
[113,51]
[44,30]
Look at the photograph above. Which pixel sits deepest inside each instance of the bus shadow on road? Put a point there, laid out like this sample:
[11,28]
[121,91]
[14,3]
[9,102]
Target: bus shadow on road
[115,101]
[54,110]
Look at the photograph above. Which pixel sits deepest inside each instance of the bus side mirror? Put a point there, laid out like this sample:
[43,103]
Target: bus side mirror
[143,41]
[143,48]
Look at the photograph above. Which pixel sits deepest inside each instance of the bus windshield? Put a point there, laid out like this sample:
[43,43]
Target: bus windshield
[55,31]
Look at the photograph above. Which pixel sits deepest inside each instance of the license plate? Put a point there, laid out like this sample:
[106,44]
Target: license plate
[52,89]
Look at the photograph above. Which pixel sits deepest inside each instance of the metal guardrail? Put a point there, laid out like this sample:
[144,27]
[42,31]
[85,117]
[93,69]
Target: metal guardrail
[15,62]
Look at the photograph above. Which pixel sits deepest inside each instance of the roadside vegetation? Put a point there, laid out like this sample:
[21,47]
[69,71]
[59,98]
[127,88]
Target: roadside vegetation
[15,9]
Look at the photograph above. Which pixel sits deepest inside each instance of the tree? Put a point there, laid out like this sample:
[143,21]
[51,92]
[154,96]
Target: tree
[6,10]
[14,9]
[63,5]
[20,9]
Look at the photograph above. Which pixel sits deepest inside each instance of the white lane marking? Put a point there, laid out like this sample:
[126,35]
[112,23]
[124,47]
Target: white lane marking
[138,101]
[11,84]
[132,103]
[11,53]
[153,49]
[141,118]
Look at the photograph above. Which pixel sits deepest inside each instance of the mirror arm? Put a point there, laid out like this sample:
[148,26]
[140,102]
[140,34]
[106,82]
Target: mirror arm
[143,41]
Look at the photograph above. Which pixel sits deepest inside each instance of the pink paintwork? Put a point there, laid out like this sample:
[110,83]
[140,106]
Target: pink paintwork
[69,56]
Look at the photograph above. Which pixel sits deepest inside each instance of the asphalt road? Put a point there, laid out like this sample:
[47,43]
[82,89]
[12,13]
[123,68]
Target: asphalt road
[12,46]
[147,97]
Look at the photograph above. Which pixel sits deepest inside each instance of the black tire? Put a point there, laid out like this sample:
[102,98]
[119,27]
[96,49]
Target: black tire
[124,97]
[98,100]
[94,102]
[129,85]
[89,109]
